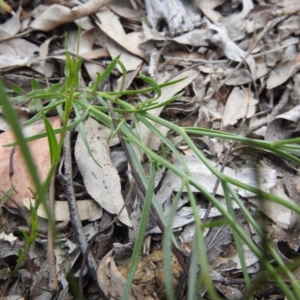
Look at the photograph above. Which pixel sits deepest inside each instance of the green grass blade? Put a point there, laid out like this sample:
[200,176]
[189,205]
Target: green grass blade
[141,232]
[70,126]
[34,84]
[17,89]
[236,238]
[167,245]
[104,75]
[53,144]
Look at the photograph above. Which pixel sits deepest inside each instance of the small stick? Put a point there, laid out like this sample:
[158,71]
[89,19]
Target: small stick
[67,183]
[53,282]
[11,162]
[11,167]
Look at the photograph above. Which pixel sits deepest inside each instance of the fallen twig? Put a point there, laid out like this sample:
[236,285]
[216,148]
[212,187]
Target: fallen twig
[67,183]
[53,282]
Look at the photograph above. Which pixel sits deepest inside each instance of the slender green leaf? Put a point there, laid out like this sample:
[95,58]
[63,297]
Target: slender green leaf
[141,232]
[52,141]
[167,245]
[17,89]
[34,84]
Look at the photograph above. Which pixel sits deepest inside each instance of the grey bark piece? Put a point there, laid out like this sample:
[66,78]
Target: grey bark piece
[174,13]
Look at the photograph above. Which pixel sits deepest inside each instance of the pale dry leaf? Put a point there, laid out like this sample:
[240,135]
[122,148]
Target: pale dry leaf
[222,252]
[185,215]
[130,76]
[295,93]
[196,37]
[283,71]
[8,62]
[232,261]
[85,23]
[187,235]
[110,24]
[95,54]
[20,47]
[288,7]
[101,179]
[14,297]
[277,234]
[21,179]
[131,62]
[243,76]
[247,7]
[283,126]
[231,49]
[199,172]
[8,237]
[289,27]
[208,9]
[262,178]
[56,14]
[19,52]
[84,46]
[112,281]
[44,50]
[87,209]
[176,15]
[281,215]
[238,105]
[12,25]
[124,9]
[86,41]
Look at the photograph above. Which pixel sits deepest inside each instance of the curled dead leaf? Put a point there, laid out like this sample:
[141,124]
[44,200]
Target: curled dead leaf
[148,281]
[283,126]
[21,179]
[57,14]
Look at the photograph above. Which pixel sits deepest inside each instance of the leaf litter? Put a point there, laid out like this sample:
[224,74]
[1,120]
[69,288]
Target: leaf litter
[239,61]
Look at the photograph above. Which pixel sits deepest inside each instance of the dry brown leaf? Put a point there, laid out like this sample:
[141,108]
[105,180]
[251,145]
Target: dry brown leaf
[87,209]
[178,16]
[56,14]
[279,214]
[282,72]
[148,282]
[125,9]
[110,24]
[112,282]
[44,50]
[20,52]
[17,52]
[231,49]
[101,181]
[12,25]
[21,179]
[239,105]
[283,126]
[208,9]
